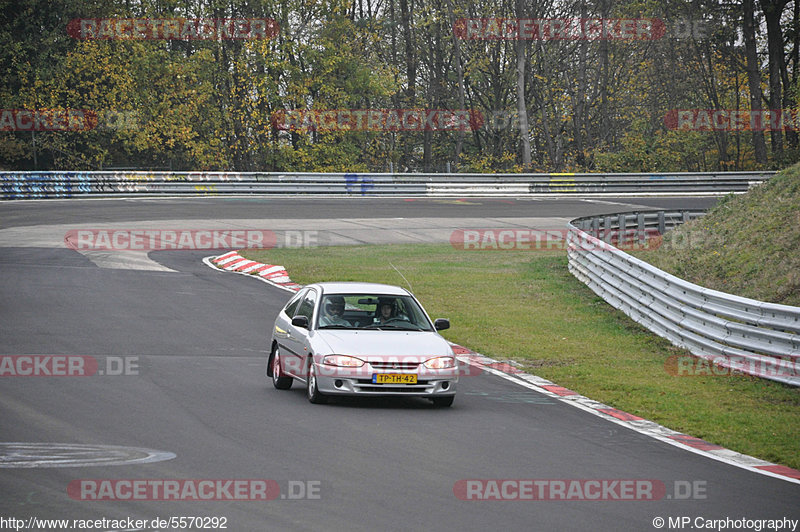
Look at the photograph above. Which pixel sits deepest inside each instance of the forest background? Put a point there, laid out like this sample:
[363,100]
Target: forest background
[547,104]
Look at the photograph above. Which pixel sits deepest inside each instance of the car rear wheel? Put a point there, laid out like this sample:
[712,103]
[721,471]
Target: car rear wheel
[312,391]
[443,401]
[279,381]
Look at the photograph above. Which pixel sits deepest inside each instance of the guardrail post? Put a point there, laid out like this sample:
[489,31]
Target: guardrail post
[607,233]
[642,229]
[621,240]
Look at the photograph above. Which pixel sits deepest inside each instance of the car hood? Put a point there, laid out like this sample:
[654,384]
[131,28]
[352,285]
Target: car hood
[367,344]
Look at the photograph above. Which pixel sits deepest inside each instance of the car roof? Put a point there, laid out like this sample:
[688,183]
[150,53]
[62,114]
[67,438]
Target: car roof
[361,288]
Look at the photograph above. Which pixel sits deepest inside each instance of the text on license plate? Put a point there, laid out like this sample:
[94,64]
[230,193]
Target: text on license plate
[393,378]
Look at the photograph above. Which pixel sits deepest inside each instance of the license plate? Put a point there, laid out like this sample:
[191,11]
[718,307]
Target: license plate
[393,378]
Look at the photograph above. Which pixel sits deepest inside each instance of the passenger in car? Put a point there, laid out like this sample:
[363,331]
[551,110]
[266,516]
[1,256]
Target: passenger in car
[387,311]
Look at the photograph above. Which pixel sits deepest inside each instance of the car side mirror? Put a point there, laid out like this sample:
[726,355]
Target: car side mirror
[300,321]
[441,324]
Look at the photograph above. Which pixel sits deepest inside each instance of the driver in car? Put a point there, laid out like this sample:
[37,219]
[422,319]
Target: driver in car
[333,309]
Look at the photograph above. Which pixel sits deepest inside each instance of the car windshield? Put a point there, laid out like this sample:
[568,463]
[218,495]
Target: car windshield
[371,311]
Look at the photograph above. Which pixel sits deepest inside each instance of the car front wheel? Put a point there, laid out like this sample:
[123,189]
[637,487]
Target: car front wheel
[279,381]
[443,401]
[312,391]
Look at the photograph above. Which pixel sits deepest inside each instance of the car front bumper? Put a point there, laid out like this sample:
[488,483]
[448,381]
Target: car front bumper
[344,381]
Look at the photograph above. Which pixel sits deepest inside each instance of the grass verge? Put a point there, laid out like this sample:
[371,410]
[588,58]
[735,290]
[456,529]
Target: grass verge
[748,244]
[526,307]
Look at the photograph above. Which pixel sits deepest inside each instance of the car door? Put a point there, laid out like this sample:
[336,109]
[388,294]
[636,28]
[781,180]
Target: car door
[297,340]
[281,331]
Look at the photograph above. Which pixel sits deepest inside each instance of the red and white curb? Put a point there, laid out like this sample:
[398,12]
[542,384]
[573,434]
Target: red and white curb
[269,273]
[277,276]
[641,425]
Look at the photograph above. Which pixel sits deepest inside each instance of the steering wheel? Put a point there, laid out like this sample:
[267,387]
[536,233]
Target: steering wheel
[387,322]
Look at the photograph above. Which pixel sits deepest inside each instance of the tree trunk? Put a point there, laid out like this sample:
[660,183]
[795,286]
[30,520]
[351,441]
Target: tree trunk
[753,78]
[772,13]
[411,72]
[459,78]
[522,108]
[578,116]
[605,119]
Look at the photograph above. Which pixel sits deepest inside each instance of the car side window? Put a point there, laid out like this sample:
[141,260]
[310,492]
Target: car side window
[292,306]
[307,306]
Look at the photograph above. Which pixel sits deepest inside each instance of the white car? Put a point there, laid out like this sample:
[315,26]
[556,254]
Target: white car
[361,339]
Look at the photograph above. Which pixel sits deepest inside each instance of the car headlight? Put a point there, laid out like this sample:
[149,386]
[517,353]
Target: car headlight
[343,361]
[440,363]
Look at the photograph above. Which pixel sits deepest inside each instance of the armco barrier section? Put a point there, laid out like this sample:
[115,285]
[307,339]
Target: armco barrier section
[66,184]
[735,333]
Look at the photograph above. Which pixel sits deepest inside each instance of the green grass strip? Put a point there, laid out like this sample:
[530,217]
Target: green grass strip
[526,307]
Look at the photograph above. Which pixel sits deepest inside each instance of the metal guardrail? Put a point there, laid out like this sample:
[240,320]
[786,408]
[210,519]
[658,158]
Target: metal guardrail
[736,333]
[64,184]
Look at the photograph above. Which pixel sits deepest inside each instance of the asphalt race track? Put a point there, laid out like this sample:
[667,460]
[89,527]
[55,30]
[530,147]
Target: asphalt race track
[179,393]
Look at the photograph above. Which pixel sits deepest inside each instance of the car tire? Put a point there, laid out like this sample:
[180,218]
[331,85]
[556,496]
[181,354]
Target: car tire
[279,381]
[443,402]
[312,391]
